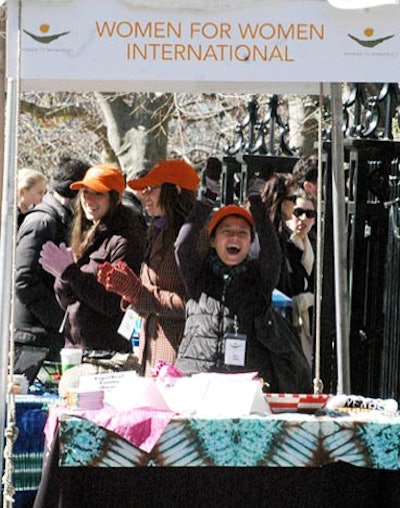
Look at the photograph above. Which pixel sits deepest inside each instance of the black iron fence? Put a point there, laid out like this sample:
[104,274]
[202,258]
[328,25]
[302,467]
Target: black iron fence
[390,372]
[370,113]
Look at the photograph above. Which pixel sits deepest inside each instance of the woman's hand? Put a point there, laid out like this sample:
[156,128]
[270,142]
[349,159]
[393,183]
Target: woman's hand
[55,259]
[120,279]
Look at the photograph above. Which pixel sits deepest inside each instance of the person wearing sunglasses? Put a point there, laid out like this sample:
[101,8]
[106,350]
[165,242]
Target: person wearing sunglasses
[280,195]
[300,262]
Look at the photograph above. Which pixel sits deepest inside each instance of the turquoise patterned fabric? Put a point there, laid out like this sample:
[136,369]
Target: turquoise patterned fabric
[274,441]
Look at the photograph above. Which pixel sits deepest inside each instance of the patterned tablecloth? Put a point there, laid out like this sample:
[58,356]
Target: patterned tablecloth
[286,440]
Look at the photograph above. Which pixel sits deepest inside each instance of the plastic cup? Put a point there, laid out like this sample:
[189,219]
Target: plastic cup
[70,357]
[20,384]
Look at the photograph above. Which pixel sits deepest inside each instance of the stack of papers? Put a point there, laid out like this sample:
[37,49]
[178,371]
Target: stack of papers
[78,398]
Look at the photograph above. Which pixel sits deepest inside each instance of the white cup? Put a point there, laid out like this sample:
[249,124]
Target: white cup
[70,357]
[20,384]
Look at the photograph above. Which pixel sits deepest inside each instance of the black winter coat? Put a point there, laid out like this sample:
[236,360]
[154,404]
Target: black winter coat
[37,315]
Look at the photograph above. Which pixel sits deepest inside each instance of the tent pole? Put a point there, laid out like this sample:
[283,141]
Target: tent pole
[340,242]
[6,246]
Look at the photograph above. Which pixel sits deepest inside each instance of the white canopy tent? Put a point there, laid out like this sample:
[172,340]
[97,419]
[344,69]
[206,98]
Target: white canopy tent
[217,45]
[257,46]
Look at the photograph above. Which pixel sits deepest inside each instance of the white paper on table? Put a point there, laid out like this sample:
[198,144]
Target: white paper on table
[230,395]
[233,399]
[126,390]
[182,394]
[106,381]
[139,393]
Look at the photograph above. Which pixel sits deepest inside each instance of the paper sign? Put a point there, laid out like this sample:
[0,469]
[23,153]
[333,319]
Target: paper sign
[180,394]
[215,395]
[233,399]
[140,392]
[126,390]
[107,381]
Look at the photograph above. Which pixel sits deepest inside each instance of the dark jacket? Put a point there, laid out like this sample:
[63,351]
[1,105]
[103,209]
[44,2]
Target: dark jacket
[224,298]
[94,314]
[300,281]
[20,217]
[37,315]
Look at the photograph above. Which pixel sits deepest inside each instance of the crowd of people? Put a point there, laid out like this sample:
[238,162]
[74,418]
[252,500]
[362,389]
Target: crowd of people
[200,276]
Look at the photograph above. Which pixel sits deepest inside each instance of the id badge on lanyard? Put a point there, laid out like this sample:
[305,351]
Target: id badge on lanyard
[128,324]
[235,349]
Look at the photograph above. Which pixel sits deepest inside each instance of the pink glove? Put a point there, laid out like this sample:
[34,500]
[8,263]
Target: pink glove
[55,259]
[164,370]
[120,279]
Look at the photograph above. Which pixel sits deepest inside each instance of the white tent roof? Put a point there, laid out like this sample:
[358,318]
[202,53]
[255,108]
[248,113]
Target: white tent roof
[220,4]
[201,45]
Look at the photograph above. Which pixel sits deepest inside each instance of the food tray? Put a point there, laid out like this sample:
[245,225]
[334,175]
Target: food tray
[296,402]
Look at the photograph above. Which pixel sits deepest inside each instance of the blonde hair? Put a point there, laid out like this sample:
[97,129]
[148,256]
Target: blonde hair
[28,177]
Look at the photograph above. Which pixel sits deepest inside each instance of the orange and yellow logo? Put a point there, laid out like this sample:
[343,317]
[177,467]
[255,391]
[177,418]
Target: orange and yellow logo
[45,38]
[368,42]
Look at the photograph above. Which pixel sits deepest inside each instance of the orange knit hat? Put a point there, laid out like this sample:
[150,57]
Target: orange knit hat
[102,178]
[172,171]
[226,211]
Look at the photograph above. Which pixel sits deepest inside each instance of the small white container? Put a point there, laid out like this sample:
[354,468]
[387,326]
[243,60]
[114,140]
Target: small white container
[70,357]
[20,385]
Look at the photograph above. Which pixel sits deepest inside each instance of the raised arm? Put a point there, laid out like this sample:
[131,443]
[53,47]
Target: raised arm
[192,244]
[270,255]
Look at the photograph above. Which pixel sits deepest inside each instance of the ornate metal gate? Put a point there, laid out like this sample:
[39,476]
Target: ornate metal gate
[373,244]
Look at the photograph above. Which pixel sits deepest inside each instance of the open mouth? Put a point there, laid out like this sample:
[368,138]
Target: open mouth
[233,249]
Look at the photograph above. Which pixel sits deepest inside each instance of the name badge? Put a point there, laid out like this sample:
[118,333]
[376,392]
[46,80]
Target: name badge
[128,324]
[235,349]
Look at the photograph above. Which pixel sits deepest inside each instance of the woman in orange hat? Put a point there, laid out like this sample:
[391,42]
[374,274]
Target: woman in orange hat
[228,290]
[168,193]
[103,230]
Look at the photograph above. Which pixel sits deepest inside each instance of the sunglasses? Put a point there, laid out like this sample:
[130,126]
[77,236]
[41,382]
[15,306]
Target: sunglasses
[149,189]
[310,214]
[291,198]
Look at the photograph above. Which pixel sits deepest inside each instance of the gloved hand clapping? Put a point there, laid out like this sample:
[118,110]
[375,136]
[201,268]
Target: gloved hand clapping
[55,259]
[120,279]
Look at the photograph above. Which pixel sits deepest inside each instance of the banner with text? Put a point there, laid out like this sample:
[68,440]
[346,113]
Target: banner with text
[89,45]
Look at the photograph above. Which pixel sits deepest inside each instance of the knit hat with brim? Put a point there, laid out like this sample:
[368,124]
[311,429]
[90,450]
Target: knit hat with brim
[227,211]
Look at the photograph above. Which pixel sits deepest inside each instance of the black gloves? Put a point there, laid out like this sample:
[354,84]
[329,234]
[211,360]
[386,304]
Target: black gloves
[255,187]
[212,179]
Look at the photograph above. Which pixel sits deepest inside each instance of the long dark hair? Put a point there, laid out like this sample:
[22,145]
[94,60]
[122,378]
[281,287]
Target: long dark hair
[176,205]
[83,229]
[276,190]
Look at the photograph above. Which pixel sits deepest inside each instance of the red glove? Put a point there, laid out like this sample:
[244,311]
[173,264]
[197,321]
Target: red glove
[120,279]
